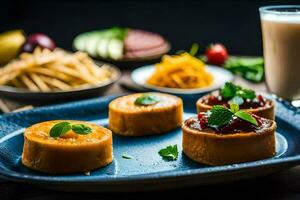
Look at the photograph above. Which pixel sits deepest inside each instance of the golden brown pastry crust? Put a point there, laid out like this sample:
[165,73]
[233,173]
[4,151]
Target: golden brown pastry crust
[68,154]
[221,149]
[128,119]
[265,111]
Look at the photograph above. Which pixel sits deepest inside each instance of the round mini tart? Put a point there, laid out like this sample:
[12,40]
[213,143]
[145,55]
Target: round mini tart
[209,147]
[129,119]
[69,153]
[265,111]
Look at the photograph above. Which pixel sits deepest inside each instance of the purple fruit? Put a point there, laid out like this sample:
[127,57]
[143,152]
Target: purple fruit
[38,39]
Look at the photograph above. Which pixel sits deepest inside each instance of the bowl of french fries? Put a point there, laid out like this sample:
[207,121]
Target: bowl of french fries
[55,75]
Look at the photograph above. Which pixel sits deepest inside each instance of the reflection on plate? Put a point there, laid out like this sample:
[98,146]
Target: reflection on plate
[140,75]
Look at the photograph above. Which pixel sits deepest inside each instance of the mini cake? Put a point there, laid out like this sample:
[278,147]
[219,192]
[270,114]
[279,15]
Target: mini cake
[227,137]
[247,99]
[59,147]
[145,114]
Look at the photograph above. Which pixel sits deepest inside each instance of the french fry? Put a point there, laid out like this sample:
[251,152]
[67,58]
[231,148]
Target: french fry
[29,84]
[39,82]
[56,83]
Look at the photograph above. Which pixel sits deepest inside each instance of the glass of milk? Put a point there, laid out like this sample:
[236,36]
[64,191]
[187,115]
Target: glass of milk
[281,44]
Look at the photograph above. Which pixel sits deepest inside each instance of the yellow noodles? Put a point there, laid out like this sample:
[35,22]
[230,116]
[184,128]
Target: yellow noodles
[180,71]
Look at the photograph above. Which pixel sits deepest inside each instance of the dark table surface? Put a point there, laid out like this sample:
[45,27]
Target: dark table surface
[282,185]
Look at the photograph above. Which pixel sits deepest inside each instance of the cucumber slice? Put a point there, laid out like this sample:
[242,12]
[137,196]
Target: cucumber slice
[115,49]
[102,47]
[91,44]
[79,42]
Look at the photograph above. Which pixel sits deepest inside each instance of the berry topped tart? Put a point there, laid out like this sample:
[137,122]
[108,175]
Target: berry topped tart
[247,100]
[224,135]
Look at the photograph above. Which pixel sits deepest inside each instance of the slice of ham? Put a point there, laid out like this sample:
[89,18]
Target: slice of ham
[163,48]
[138,40]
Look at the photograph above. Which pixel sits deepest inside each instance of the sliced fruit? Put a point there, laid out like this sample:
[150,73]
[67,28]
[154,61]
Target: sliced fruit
[10,43]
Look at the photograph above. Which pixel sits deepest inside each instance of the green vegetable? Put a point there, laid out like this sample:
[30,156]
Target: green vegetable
[146,99]
[62,128]
[194,49]
[126,156]
[231,91]
[246,116]
[219,116]
[169,153]
[251,69]
[81,129]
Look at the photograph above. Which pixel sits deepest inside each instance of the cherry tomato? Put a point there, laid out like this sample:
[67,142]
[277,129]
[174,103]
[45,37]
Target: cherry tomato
[216,54]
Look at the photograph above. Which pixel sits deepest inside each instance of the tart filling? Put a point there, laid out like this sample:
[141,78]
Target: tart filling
[235,125]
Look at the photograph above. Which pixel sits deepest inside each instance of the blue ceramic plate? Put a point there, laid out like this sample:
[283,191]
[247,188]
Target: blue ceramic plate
[146,170]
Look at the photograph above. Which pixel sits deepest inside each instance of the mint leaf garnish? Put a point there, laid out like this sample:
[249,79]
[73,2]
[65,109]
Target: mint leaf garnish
[219,116]
[146,99]
[234,107]
[169,153]
[126,156]
[60,129]
[81,129]
[246,116]
[231,91]
[228,90]
[246,93]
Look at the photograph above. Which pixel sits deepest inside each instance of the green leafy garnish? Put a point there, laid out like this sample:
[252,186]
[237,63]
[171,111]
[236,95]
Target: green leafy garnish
[234,107]
[169,153]
[62,128]
[118,32]
[81,129]
[194,49]
[126,156]
[146,99]
[251,69]
[246,116]
[236,94]
[219,116]
[229,90]
[246,93]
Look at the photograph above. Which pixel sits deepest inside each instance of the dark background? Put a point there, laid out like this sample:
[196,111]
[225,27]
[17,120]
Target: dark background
[234,23]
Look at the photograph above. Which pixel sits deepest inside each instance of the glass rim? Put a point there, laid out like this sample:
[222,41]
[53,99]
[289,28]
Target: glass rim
[268,9]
